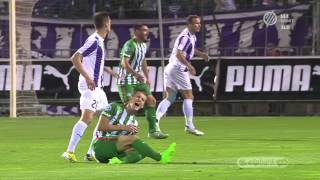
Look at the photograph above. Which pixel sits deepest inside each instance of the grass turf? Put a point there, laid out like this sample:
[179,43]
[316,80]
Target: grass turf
[31,148]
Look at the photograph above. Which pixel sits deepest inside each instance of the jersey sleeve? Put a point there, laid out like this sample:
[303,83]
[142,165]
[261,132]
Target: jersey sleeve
[88,47]
[110,110]
[128,50]
[183,43]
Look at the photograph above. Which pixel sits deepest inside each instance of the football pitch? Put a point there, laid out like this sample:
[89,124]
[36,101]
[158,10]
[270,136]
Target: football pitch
[232,148]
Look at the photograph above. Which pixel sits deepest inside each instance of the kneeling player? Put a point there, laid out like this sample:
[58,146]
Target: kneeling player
[117,142]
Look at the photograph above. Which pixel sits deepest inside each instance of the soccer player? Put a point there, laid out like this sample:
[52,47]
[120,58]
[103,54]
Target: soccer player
[132,64]
[89,62]
[117,143]
[176,73]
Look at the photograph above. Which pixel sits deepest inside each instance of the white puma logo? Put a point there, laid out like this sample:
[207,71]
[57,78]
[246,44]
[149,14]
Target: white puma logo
[316,70]
[197,79]
[50,70]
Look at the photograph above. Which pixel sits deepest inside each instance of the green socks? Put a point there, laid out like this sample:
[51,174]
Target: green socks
[150,113]
[145,150]
[132,157]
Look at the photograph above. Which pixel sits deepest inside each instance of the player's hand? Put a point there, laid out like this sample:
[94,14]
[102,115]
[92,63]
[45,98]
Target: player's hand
[139,77]
[90,83]
[148,82]
[192,70]
[205,56]
[132,128]
[115,75]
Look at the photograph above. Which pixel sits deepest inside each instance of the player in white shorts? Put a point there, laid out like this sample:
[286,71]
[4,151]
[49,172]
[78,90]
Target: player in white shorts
[176,73]
[89,62]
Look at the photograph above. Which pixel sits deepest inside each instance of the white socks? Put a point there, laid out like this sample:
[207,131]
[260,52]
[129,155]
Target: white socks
[77,132]
[162,109]
[188,112]
[94,137]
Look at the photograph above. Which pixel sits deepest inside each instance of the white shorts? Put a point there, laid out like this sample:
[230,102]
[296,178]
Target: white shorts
[92,100]
[176,77]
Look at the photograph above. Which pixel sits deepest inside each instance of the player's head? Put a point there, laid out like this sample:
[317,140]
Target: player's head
[102,21]
[141,32]
[193,23]
[137,101]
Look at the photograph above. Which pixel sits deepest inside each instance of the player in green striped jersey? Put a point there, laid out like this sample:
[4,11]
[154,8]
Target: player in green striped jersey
[132,65]
[117,142]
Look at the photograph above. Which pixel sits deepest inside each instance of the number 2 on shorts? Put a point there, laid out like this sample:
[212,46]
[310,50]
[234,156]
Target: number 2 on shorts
[94,104]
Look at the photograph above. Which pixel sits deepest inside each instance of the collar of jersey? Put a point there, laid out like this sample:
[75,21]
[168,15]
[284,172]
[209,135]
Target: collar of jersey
[100,38]
[189,33]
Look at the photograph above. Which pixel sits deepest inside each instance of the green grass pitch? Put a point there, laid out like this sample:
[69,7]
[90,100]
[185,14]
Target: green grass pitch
[31,148]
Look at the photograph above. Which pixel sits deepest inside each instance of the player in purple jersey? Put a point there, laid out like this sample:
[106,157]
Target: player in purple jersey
[176,73]
[89,62]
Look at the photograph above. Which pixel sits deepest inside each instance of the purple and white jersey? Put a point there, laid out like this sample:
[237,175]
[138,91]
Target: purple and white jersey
[93,53]
[186,43]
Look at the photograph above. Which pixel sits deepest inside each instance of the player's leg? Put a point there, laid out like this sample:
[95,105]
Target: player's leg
[125,91]
[188,112]
[123,144]
[88,105]
[132,156]
[169,99]
[141,148]
[171,91]
[89,155]
[104,148]
[184,86]
[101,104]
[150,112]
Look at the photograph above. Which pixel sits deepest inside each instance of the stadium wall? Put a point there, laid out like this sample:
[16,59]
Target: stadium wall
[224,86]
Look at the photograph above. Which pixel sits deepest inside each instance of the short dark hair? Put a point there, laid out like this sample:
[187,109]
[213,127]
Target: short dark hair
[100,18]
[191,17]
[138,26]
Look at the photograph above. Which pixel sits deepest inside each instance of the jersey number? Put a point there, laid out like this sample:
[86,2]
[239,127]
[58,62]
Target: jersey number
[94,104]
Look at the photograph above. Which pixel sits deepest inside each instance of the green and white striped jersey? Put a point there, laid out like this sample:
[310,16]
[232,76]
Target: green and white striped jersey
[136,52]
[117,115]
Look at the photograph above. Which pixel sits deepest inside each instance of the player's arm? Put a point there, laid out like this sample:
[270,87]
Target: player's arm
[76,61]
[106,115]
[180,56]
[145,70]
[126,65]
[86,50]
[110,71]
[105,126]
[201,54]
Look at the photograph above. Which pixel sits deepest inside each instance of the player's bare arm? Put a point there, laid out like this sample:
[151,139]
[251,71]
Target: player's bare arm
[125,64]
[76,61]
[145,71]
[105,126]
[184,61]
[111,72]
[201,54]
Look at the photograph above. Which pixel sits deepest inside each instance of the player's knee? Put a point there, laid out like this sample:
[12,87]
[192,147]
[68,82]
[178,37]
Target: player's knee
[171,97]
[127,139]
[87,116]
[191,97]
[187,95]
